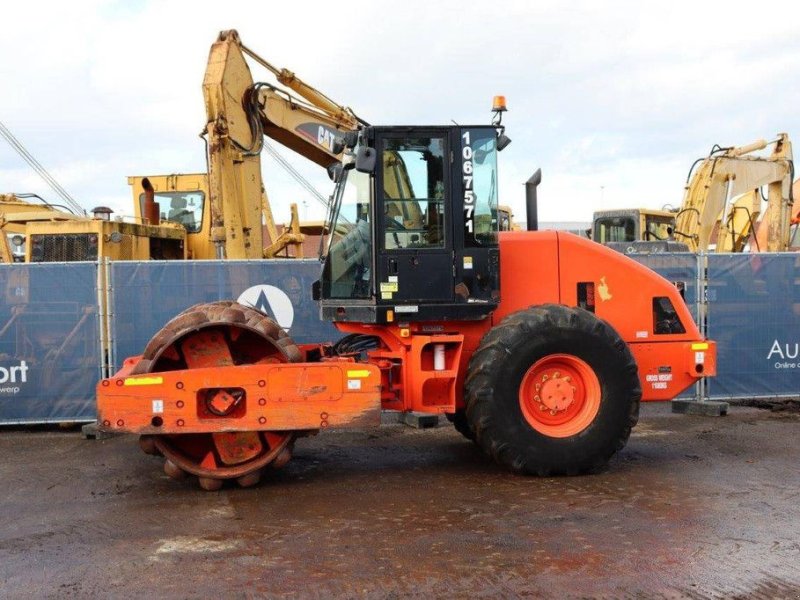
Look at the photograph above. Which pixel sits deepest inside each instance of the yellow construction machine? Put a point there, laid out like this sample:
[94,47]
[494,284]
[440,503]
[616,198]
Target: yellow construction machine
[16,211]
[88,239]
[183,200]
[226,211]
[42,232]
[627,225]
[723,208]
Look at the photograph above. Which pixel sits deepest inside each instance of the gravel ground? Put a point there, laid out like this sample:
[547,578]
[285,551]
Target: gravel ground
[693,507]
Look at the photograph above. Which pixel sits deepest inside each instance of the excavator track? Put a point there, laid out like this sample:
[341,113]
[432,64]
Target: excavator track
[219,334]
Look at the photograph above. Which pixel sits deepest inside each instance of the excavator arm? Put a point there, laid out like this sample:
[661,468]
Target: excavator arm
[723,198]
[239,113]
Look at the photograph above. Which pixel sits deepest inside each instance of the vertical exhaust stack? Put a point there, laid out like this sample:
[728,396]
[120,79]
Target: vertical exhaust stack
[151,208]
[532,202]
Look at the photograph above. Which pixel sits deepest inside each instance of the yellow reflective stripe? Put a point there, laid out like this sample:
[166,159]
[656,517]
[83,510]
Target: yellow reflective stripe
[700,346]
[145,381]
[359,373]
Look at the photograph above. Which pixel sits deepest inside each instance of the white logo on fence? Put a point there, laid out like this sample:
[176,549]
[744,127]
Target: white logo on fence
[270,300]
[15,374]
[785,352]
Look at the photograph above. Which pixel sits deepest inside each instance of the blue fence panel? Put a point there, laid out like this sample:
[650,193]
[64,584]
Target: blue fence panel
[50,352]
[754,315]
[145,295]
[679,268]
[49,342]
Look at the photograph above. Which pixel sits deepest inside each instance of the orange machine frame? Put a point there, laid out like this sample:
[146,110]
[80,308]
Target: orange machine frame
[536,268]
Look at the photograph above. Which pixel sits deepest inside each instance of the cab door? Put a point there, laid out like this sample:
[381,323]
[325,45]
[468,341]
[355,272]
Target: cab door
[413,222]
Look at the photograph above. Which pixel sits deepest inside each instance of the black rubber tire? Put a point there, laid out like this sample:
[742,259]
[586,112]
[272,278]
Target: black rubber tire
[496,370]
[460,422]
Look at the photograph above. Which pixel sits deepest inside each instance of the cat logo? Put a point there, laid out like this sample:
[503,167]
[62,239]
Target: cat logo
[325,138]
[271,301]
[320,134]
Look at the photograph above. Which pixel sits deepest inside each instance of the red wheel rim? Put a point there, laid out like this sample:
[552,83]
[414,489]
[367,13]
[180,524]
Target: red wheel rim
[559,395]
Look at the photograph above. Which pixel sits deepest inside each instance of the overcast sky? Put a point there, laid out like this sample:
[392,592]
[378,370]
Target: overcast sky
[613,100]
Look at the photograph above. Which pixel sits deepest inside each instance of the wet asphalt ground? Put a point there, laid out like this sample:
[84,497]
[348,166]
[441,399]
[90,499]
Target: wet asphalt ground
[693,507]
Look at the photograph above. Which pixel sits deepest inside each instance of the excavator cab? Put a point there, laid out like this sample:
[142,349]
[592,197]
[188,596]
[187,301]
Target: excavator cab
[414,230]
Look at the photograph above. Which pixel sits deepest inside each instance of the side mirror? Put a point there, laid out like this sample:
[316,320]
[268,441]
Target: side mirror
[502,142]
[366,158]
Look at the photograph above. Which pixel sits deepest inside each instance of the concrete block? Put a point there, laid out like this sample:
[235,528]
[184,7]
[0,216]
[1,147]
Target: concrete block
[90,432]
[709,408]
[420,420]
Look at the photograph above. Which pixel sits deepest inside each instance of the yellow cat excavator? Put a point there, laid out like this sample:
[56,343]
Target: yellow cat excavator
[723,201]
[223,210]
[723,208]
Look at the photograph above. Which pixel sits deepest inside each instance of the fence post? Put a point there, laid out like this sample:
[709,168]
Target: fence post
[701,404]
[101,318]
[701,393]
[112,354]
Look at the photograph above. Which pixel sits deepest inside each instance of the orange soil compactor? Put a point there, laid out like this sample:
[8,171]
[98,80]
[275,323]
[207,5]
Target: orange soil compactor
[538,346]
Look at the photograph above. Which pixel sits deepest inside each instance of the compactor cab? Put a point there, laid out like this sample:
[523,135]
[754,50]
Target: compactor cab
[415,227]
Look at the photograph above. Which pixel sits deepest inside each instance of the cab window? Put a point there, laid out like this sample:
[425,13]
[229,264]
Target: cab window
[413,192]
[184,208]
[616,229]
[658,228]
[348,266]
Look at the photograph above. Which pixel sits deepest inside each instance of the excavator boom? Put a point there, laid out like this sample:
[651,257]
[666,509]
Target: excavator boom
[721,209]
[341,114]
[239,113]
[724,195]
